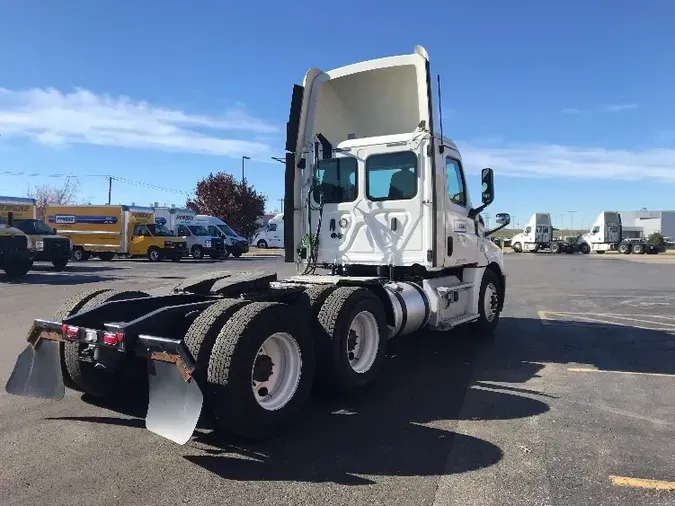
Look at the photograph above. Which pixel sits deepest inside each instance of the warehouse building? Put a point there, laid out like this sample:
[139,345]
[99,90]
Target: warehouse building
[648,222]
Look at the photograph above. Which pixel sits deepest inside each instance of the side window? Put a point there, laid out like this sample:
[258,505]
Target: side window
[183,230]
[336,181]
[456,192]
[272,227]
[391,176]
[141,230]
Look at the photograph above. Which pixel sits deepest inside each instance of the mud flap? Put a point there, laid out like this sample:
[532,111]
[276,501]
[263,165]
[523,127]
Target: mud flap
[175,399]
[37,372]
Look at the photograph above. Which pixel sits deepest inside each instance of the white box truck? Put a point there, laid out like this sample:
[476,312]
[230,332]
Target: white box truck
[200,241]
[386,242]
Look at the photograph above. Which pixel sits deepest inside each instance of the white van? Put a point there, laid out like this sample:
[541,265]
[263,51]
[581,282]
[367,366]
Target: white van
[200,241]
[235,244]
[272,235]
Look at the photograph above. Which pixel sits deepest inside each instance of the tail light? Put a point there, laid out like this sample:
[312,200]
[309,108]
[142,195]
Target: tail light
[113,338]
[70,332]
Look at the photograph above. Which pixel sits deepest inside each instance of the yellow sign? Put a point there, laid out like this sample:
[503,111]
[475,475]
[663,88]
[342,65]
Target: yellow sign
[21,211]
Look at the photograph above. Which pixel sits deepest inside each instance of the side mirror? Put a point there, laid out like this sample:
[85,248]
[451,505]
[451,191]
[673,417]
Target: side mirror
[488,187]
[487,192]
[503,219]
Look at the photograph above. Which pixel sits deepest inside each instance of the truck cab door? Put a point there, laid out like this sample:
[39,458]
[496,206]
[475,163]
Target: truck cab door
[138,244]
[461,242]
[273,235]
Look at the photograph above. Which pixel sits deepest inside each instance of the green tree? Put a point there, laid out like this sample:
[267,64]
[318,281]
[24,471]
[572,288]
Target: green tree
[657,239]
[239,205]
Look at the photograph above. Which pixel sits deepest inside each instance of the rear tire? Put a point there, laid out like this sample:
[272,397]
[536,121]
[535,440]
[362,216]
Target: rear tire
[638,249]
[94,382]
[202,334]
[555,248]
[488,304]
[16,269]
[60,264]
[237,392]
[624,248]
[351,339]
[68,308]
[107,257]
[585,248]
[79,255]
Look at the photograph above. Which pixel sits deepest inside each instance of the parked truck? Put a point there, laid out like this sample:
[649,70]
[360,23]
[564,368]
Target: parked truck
[272,234]
[15,253]
[235,244]
[200,241]
[45,244]
[538,236]
[107,231]
[606,234]
[386,241]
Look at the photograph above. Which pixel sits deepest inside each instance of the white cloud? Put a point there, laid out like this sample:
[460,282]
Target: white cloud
[571,162]
[53,118]
[620,107]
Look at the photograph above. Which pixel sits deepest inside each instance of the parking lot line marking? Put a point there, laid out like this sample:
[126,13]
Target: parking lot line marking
[586,369]
[547,321]
[625,481]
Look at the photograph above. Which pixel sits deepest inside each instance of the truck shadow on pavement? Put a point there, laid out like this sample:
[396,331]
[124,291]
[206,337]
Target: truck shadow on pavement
[71,275]
[403,425]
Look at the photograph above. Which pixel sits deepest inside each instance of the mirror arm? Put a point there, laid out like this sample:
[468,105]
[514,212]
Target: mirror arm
[476,211]
[490,232]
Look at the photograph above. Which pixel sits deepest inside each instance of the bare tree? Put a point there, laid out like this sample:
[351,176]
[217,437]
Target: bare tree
[48,195]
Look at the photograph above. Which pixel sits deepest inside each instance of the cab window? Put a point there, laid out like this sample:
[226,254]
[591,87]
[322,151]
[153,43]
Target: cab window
[272,227]
[183,230]
[336,181]
[456,191]
[141,231]
[391,176]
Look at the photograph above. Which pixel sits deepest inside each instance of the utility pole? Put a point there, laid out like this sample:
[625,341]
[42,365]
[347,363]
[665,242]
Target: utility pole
[280,160]
[281,201]
[487,220]
[109,189]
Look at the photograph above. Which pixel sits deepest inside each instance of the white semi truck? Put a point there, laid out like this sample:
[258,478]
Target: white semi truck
[606,234]
[272,234]
[538,235]
[386,241]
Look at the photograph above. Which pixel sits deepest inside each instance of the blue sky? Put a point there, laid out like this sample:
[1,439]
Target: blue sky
[570,103]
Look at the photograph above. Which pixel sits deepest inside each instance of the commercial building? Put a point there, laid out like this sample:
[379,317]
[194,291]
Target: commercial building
[647,222]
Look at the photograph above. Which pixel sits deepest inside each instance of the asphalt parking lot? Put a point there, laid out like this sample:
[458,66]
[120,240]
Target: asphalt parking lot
[572,403]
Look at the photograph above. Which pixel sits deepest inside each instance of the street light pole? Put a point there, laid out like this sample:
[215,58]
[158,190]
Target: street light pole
[243,159]
[572,220]
[280,160]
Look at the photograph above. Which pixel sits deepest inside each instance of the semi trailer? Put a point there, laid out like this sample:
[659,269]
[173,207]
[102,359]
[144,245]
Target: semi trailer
[385,239]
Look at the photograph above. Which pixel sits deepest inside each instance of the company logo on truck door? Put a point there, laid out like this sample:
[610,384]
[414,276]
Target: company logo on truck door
[184,217]
[71,219]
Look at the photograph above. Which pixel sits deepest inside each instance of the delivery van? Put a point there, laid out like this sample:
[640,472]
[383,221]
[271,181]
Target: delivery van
[106,231]
[235,244]
[45,244]
[200,241]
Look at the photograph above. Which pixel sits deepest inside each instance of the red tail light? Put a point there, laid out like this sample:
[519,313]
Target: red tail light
[69,332]
[113,338]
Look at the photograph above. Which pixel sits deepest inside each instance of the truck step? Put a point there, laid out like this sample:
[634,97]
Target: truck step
[454,322]
[444,290]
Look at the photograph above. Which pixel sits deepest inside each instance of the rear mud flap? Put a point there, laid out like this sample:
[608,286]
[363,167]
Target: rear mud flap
[37,372]
[175,400]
